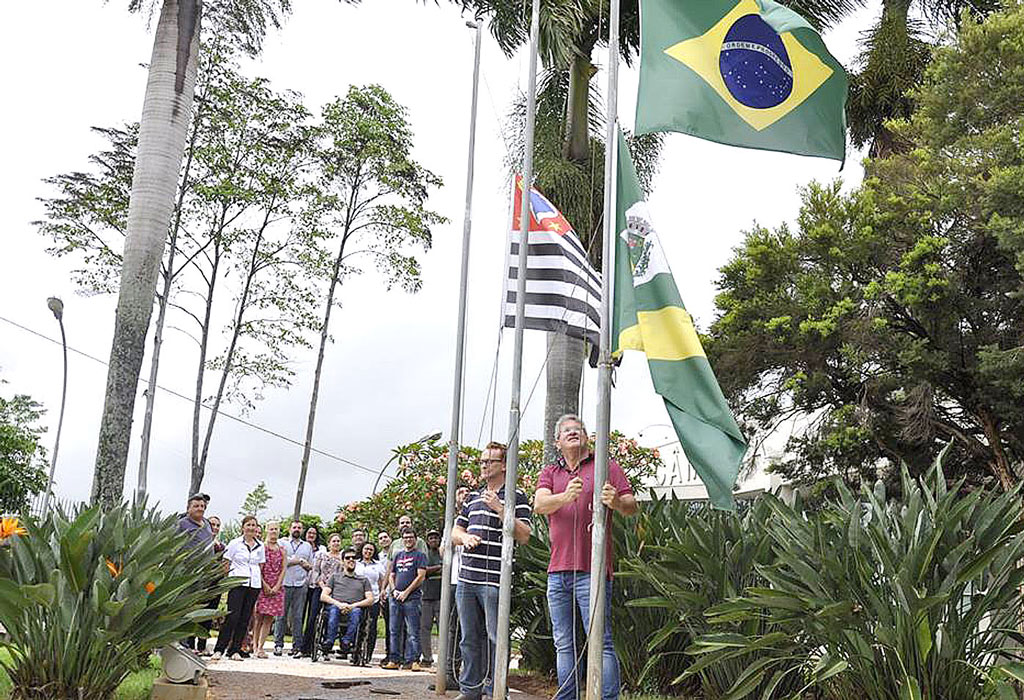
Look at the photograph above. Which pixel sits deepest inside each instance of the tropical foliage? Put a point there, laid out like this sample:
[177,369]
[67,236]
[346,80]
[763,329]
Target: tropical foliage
[85,594]
[917,597]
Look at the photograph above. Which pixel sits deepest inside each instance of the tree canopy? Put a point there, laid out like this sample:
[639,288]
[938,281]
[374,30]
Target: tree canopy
[889,321]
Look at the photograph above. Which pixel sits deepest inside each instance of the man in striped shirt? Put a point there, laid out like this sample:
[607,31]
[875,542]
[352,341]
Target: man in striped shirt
[478,530]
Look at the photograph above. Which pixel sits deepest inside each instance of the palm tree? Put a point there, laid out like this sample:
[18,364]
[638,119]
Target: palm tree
[166,111]
[571,174]
[894,55]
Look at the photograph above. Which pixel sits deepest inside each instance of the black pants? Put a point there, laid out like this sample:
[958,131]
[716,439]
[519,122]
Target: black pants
[312,610]
[241,601]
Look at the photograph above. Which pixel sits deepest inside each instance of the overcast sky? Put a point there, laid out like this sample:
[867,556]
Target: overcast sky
[73,64]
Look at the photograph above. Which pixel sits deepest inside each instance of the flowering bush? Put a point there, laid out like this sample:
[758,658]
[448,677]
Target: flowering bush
[420,488]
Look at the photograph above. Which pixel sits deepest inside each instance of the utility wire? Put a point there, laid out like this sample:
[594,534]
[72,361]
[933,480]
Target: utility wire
[172,392]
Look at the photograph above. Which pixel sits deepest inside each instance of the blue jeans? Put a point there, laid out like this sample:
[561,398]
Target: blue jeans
[568,596]
[478,616]
[405,616]
[333,619]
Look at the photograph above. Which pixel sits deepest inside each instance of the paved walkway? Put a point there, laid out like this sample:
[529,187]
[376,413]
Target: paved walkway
[284,678]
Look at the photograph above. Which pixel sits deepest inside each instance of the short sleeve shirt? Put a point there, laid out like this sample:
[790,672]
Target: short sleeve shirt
[570,525]
[348,589]
[372,571]
[405,566]
[245,561]
[200,534]
[482,564]
[294,574]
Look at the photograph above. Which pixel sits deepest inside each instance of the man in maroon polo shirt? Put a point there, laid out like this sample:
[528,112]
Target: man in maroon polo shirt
[565,493]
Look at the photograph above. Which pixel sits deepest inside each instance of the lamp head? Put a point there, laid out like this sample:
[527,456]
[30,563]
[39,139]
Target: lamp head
[56,306]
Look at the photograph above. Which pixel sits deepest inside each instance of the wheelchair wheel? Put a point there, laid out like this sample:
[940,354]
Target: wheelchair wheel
[361,656]
[319,634]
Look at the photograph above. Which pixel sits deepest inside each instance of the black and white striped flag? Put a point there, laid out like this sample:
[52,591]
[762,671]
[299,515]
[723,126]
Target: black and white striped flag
[563,290]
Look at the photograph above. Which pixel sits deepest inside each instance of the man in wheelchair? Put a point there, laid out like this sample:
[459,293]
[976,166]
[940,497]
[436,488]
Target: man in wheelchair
[344,593]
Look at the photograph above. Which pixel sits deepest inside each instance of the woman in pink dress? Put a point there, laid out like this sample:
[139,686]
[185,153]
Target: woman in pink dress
[270,602]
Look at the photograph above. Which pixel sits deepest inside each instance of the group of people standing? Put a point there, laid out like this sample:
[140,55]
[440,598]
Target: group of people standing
[289,581]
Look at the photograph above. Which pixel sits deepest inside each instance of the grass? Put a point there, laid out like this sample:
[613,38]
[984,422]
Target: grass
[137,686]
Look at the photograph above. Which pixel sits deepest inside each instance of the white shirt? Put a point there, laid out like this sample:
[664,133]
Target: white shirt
[373,572]
[245,561]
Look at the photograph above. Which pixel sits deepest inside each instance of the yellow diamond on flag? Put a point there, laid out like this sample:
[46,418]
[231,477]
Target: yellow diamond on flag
[760,74]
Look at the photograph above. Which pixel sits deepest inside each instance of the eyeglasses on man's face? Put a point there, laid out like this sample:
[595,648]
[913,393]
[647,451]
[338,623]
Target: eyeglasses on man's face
[495,460]
[349,557]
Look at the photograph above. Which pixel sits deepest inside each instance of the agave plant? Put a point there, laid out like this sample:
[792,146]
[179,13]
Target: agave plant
[704,557]
[84,594]
[918,597]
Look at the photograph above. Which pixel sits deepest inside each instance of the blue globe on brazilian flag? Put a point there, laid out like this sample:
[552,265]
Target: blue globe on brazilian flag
[742,72]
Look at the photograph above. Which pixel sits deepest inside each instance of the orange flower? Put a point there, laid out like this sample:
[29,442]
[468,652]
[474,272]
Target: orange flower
[10,527]
[150,587]
[114,569]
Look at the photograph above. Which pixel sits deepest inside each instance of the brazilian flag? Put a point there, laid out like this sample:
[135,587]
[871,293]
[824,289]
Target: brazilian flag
[742,72]
[648,315]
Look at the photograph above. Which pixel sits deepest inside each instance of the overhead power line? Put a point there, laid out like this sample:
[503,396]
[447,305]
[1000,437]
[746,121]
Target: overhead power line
[172,392]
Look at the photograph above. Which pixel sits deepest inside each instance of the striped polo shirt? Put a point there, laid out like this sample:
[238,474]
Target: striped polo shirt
[482,564]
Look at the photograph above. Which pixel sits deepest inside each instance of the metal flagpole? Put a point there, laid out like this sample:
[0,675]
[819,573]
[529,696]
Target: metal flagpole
[503,645]
[598,582]
[444,627]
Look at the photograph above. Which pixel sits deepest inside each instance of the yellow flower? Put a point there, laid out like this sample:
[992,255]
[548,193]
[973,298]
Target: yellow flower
[114,569]
[10,527]
[150,587]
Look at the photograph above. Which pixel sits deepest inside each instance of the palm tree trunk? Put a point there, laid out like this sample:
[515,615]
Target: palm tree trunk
[565,354]
[564,375]
[161,317]
[166,111]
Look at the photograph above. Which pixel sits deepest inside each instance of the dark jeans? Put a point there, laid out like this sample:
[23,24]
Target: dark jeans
[333,618]
[405,617]
[428,616]
[241,601]
[478,616]
[312,610]
[569,597]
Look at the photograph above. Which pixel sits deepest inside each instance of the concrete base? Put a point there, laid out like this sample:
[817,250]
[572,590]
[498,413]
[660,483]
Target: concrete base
[163,689]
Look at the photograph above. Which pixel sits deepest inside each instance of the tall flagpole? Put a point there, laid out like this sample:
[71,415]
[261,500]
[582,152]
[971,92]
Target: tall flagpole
[502,646]
[444,627]
[598,582]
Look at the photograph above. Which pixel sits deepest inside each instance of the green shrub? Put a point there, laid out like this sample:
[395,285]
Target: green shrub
[918,597]
[85,595]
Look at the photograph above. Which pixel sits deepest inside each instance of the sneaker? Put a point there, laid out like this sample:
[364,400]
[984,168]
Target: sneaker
[217,656]
[236,656]
[414,666]
[390,665]
[407,667]
[278,651]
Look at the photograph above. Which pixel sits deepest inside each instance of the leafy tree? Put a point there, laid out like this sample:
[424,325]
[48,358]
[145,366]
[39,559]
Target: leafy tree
[167,109]
[894,55]
[889,321]
[372,201]
[256,501]
[22,456]
[241,212]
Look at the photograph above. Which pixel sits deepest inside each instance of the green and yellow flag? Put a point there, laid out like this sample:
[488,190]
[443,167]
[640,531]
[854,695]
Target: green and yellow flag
[648,315]
[748,73]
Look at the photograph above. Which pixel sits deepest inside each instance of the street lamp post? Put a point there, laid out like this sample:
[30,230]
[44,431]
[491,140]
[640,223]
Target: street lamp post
[57,307]
[429,437]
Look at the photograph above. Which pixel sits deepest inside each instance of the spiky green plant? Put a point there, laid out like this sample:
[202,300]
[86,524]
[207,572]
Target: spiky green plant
[902,599]
[85,594]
